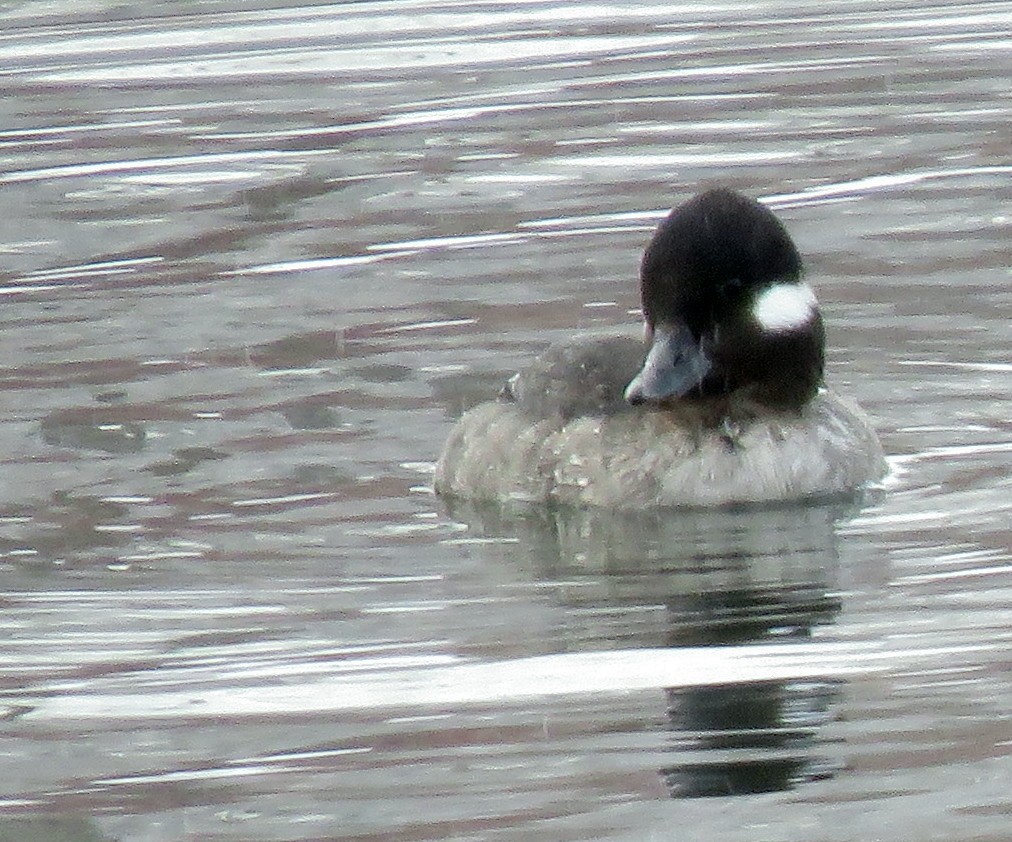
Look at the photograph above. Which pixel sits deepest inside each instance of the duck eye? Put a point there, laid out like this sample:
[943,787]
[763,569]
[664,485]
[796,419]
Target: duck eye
[730,287]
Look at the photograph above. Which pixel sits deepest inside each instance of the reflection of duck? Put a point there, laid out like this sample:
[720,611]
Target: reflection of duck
[739,739]
[698,578]
[702,577]
[725,406]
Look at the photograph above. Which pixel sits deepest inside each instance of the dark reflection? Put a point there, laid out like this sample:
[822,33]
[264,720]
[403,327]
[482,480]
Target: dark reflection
[184,460]
[383,373]
[296,351]
[461,391]
[43,829]
[276,202]
[306,415]
[65,527]
[692,579]
[749,613]
[748,737]
[83,430]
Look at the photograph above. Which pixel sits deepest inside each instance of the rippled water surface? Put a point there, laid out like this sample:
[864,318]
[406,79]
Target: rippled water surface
[256,257]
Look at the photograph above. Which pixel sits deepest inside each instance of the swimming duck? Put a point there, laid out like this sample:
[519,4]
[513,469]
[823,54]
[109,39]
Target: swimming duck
[723,404]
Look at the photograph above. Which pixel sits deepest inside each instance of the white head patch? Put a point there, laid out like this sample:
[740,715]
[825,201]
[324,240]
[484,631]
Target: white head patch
[784,307]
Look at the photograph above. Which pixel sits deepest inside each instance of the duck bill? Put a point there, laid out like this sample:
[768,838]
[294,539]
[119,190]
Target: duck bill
[675,365]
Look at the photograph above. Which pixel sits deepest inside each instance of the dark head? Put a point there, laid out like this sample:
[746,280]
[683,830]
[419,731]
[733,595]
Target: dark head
[726,310]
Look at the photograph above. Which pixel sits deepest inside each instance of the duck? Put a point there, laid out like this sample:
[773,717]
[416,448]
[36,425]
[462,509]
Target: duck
[722,401]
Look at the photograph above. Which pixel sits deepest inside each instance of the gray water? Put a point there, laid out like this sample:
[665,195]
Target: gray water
[255,259]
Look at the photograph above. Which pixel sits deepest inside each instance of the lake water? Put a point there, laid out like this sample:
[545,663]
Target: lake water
[256,257]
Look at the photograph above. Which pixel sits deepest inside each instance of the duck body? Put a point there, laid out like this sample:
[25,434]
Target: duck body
[723,405]
[593,448]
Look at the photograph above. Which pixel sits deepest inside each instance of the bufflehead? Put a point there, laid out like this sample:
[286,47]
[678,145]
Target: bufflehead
[723,404]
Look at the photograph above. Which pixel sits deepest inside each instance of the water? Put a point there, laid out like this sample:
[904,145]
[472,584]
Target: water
[255,259]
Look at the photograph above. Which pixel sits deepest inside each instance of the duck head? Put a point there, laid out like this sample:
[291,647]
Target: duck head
[726,309]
